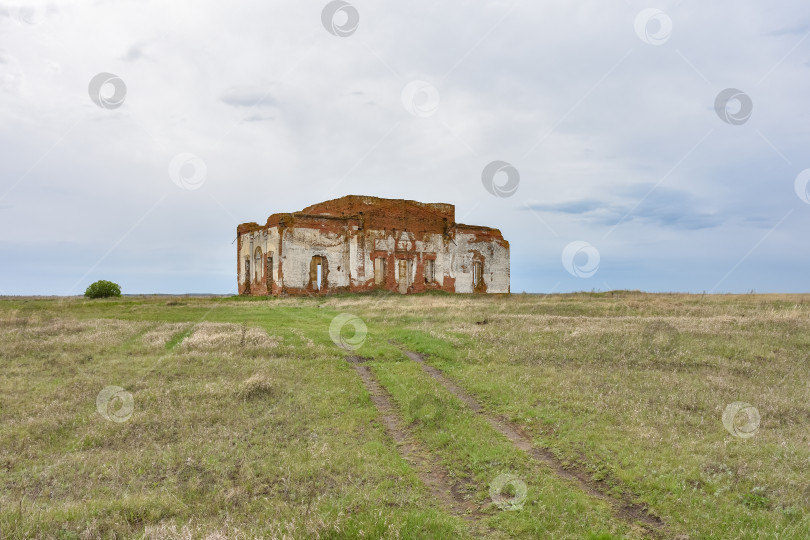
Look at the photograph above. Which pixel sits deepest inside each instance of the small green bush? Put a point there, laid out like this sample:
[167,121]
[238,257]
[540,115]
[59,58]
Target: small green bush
[103,289]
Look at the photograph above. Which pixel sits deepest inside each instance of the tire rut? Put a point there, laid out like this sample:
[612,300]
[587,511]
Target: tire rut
[429,471]
[623,506]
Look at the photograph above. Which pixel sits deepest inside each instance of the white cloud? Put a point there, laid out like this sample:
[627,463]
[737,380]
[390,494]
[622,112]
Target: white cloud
[285,114]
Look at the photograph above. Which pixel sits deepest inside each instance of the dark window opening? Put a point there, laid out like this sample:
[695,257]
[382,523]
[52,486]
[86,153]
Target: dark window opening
[257,256]
[429,269]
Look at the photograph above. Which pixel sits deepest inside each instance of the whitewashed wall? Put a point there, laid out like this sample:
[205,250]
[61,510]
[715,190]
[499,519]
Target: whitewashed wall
[496,264]
[453,258]
[301,244]
[268,240]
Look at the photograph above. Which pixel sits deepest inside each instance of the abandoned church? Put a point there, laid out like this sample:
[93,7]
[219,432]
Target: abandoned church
[358,243]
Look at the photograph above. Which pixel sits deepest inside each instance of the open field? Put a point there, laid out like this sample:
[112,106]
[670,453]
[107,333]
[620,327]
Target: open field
[602,415]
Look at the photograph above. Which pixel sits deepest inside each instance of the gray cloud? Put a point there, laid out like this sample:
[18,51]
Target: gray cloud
[135,52]
[248,97]
[258,118]
[797,29]
[664,207]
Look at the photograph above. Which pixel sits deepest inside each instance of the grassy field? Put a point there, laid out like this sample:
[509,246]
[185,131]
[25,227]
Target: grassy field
[602,415]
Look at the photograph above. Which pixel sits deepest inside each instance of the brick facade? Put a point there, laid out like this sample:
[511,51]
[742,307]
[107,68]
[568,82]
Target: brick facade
[358,243]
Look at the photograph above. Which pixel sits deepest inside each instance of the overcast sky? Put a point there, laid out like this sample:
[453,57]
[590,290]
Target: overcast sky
[636,168]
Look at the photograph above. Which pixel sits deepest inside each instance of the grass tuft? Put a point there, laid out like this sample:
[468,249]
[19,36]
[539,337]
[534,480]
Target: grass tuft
[258,386]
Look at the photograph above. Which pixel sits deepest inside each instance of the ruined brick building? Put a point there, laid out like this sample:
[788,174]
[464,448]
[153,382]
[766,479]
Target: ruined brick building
[357,243]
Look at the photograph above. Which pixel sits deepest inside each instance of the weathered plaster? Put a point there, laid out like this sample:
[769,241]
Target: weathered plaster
[349,233]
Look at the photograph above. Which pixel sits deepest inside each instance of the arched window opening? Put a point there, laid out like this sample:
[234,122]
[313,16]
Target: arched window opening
[429,270]
[317,273]
[257,264]
[269,273]
[478,273]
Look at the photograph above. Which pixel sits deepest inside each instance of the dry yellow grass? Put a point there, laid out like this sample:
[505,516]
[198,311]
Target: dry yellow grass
[227,337]
[159,336]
